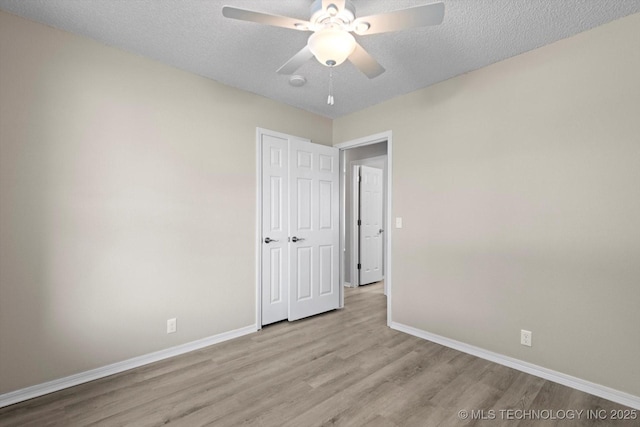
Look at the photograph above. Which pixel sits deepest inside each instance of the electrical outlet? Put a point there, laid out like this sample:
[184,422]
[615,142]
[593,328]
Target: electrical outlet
[398,222]
[172,325]
[525,337]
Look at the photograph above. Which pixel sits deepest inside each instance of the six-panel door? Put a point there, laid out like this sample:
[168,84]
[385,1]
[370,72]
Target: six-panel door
[314,222]
[275,223]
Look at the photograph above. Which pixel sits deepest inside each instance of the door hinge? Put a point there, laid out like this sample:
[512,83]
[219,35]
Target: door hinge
[359,178]
[359,266]
[359,223]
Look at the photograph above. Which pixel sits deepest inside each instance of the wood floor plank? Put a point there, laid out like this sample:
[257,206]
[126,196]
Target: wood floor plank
[344,367]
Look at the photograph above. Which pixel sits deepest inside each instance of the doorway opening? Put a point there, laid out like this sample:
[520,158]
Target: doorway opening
[366,221]
[365,191]
[364,152]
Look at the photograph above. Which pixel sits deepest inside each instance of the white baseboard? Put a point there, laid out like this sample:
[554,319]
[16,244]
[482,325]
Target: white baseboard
[94,374]
[548,374]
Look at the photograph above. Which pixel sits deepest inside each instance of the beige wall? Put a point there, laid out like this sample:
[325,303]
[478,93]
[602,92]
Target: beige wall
[519,185]
[127,196]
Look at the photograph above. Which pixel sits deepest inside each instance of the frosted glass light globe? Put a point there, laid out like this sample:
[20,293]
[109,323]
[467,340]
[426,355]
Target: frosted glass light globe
[331,46]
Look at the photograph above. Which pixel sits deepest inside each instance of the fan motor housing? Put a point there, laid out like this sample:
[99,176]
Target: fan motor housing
[321,16]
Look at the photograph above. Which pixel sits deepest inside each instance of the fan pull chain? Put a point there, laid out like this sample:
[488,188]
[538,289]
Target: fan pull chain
[330,98]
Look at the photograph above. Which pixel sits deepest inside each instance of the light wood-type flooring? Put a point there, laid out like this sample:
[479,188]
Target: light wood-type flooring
[341,368]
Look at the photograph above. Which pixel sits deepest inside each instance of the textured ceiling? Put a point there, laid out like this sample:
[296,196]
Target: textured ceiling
[194,36]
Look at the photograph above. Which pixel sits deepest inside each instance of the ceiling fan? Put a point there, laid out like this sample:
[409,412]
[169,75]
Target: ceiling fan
[332,22]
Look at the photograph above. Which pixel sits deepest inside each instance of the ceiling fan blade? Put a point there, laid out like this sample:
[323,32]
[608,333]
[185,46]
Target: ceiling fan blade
[339,4]
[296,61]
[365,62]
[265,18]
[419,16]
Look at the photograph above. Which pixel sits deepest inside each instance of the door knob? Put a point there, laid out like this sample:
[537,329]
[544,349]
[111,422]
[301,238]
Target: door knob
[380,231]
[268,240]
[296,239]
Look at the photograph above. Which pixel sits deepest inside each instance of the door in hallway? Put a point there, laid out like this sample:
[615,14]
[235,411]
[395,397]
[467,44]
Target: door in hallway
[371,247]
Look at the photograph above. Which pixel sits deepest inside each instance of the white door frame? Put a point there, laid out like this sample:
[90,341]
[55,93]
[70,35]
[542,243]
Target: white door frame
[360,142]
[355,236]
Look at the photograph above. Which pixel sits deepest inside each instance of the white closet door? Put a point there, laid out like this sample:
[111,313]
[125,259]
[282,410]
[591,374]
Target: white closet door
[275,222]
[371,225]
[313,229]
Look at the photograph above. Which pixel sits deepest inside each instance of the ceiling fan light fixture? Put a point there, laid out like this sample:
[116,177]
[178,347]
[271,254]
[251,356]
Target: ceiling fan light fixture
[331,46]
